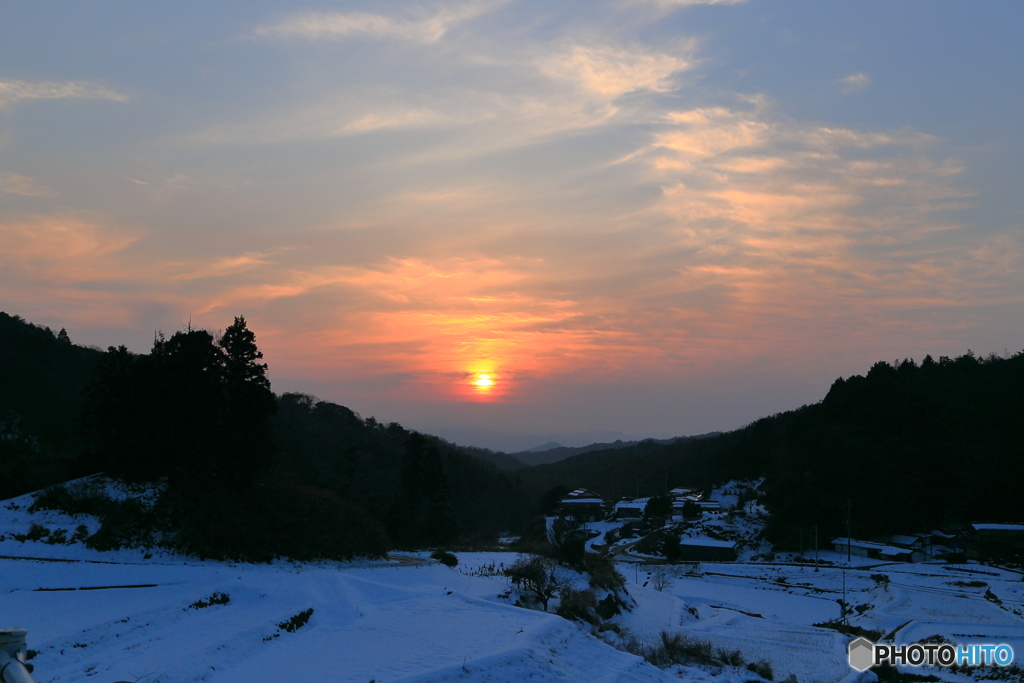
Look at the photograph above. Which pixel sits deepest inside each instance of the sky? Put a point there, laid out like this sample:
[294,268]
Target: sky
[515,222]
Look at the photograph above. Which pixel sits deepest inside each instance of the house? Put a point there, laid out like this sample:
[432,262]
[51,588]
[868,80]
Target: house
[583,505]
[630,509]
[997,538]
[877,551]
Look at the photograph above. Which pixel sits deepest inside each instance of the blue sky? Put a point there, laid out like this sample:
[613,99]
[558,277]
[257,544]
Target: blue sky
[648,217]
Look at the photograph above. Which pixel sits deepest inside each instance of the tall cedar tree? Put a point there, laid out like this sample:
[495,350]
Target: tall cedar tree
[249,405]
[193,410]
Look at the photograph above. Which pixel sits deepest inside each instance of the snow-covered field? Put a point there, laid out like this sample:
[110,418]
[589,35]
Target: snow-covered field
[124,616]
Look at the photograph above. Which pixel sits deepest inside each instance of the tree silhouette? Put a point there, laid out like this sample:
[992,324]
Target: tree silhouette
[249,405]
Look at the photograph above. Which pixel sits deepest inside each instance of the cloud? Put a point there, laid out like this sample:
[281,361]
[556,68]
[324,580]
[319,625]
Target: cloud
[341,25]
[13,92]
[854,82]
[611,72]
[12,183]
[503,103]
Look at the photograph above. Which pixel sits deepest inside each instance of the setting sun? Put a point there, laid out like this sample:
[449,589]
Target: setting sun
[483,381]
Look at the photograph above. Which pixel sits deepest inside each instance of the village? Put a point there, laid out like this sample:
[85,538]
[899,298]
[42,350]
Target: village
[725,523]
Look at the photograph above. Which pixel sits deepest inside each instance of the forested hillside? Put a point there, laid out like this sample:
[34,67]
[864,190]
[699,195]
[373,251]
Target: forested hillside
[906,447]
[247,474]
[42,377]
[909,446]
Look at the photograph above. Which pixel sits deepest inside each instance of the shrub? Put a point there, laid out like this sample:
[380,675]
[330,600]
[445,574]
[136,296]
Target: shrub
[36,532]
[296,622]
[608,607]
[602,572]
[762,669]
[730,657]
[881,579]
[577,605]
[58,536]
[124,524]
[444,557]
[214,599]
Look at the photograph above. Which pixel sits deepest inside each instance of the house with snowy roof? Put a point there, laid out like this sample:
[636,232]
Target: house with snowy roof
[630,509]
[582,505]
[877,551]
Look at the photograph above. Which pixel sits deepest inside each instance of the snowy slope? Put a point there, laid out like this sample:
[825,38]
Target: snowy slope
[134,616]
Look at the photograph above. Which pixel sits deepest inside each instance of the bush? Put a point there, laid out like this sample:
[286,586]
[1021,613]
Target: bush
[444,557]
[214,599]
[577,605]
[602,572]
[608,607]
[730,657]
[762,669]
[124,524]
[296,622]
[81,498]
[36,532]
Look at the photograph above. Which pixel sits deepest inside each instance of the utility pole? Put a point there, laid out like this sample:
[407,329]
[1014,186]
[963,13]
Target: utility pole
[849,539]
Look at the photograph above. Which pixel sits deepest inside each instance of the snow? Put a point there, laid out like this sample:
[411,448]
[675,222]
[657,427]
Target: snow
[131,615]
[998,527]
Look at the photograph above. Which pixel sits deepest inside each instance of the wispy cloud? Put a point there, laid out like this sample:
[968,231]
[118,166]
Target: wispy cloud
[854,82]
[340,25]
[12,183]
[611,72]
[13,92]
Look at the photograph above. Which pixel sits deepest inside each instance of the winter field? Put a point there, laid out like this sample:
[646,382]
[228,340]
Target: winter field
[135,616]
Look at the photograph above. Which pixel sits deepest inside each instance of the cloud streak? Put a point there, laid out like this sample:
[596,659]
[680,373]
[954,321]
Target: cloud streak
[341,25]
[854,82]
[15,92]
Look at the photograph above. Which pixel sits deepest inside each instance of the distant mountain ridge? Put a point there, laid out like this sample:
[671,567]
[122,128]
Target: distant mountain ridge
[553,452]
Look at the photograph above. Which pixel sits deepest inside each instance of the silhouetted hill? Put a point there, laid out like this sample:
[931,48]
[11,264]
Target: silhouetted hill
[247,479]
[42,378]
[909,446]
[554,453]
[503,461]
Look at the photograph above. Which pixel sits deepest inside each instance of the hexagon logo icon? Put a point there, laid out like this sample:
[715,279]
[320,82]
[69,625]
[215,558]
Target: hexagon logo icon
[862,654]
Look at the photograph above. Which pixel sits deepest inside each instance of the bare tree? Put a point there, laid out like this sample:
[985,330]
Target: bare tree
[661,578]
[537,575]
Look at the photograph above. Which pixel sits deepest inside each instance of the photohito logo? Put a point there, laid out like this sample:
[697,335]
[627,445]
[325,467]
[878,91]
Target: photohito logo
[864,654]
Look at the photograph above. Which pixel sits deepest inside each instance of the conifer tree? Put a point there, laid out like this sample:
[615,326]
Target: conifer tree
[250,404]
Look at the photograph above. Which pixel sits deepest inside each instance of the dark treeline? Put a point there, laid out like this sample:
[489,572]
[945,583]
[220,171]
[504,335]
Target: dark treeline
[42,378]
[423,490]
[909,446]
[249,475]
